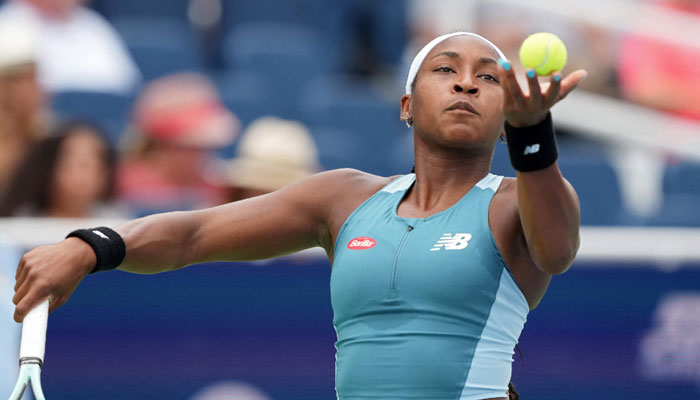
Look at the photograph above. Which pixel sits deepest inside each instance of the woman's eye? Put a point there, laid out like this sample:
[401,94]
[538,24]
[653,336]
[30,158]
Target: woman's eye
[444,69]
[490,77]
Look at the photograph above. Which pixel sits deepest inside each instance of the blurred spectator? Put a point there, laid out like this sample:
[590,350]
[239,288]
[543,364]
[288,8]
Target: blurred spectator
[78,49]
[272,154]
[178,122]
[9,330]
[589,47]
[659,74]
[230,390]
[23,118]
[69,174]
[370,34]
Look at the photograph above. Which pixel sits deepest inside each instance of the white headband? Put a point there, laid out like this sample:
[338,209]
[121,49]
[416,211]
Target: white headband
[418,60]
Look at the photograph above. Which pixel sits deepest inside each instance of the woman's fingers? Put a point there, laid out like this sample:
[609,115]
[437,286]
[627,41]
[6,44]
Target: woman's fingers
[28,302]
[20,274]
[551,96]
[514,97]
[533,85]
[569,83]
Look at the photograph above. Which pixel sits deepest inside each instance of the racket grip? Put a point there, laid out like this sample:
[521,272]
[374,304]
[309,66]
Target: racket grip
[31,349]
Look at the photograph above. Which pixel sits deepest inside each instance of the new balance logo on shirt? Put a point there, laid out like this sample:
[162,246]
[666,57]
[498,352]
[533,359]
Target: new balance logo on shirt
[531,149]
[448,241]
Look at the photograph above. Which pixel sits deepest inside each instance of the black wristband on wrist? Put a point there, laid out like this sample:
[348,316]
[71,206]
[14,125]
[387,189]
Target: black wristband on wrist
[532,147]
[108,246]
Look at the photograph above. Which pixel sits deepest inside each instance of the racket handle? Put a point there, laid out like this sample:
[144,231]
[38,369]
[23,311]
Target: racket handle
[31,349]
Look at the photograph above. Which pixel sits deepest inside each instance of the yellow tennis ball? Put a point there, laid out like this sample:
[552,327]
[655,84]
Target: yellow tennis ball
[544,52]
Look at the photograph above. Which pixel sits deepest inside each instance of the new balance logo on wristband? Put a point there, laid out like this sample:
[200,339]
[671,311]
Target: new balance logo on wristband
[100,234]
[531,149]
[448,241]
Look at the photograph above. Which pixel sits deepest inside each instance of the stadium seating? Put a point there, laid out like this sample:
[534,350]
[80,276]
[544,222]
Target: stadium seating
[288,57]
[142,8]
[237,12]
[110,111]
[681,196]
[160,46]
[597,186]
[371,123]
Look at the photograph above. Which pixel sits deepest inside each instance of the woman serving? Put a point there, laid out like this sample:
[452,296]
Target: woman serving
[433,272]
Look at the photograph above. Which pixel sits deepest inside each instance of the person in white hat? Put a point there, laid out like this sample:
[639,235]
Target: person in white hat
[23,114]
[272,154]
[77,49]
[433,272]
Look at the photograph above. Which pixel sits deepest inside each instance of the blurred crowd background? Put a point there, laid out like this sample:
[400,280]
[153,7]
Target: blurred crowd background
[123,108]
[130,107]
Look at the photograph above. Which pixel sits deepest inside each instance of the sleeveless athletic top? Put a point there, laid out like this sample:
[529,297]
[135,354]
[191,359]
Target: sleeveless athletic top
[424,308]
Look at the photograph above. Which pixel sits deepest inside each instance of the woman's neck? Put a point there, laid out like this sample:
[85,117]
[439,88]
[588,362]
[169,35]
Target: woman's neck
[442,180]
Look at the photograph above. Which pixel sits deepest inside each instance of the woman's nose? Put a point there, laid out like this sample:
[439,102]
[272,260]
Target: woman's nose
[466,85]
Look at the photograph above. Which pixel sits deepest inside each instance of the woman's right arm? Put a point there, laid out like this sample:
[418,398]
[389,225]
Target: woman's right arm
[278,223]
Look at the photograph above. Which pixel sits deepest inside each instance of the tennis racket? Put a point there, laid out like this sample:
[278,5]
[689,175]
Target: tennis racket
[31,352]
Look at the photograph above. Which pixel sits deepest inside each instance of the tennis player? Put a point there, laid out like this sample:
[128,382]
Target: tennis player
[433,272]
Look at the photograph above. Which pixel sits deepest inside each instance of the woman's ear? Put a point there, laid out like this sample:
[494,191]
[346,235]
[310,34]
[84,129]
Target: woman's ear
[406,114]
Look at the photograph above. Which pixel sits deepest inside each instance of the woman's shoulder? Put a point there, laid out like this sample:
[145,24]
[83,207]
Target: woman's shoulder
[348,180]
[508,187]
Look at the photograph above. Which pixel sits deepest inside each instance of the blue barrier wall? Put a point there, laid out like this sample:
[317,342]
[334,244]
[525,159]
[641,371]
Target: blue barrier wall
[125,336]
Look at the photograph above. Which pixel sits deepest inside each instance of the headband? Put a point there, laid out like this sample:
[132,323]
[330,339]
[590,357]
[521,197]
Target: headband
[418,60]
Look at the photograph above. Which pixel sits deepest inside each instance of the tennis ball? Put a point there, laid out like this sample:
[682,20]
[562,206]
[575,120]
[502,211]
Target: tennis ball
[544,52]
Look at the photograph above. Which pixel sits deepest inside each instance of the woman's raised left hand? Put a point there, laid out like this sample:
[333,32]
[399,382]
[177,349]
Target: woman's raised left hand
[527,108]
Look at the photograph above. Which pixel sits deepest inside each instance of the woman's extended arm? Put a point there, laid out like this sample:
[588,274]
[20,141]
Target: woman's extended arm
[278,223]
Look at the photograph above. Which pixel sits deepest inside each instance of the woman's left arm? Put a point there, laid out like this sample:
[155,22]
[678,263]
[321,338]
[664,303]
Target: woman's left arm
[548,205]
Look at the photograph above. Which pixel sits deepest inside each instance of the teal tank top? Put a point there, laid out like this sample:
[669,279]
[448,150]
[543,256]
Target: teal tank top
[424,308]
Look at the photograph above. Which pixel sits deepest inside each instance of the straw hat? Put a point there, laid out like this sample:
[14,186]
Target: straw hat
[185,109]
[272,154]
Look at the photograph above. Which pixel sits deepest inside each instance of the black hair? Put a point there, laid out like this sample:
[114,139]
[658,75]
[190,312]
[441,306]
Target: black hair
[30,186]
[512,393]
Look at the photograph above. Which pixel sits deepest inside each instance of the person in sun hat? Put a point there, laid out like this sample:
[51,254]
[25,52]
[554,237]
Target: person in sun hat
[178,123]
[24,117]
[272,153]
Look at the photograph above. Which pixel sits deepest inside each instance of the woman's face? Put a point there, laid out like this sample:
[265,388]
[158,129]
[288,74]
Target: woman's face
[22,96]
[81,171]
[457,99]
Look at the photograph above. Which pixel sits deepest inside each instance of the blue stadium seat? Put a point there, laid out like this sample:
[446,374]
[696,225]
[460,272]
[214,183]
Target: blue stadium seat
[678,210]
[287,56]
[245,93]
[597,186]
[110,111]
[248,89]
[681,196]
[237,12]
[349,103]
[378,27]
[371,123]
[160,46]
[341,148]
[401,157]
[142,8]
[500,165]
[683,178]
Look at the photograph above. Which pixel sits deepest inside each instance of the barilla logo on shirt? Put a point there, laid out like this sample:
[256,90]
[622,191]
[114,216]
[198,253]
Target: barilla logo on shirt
[361,243]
